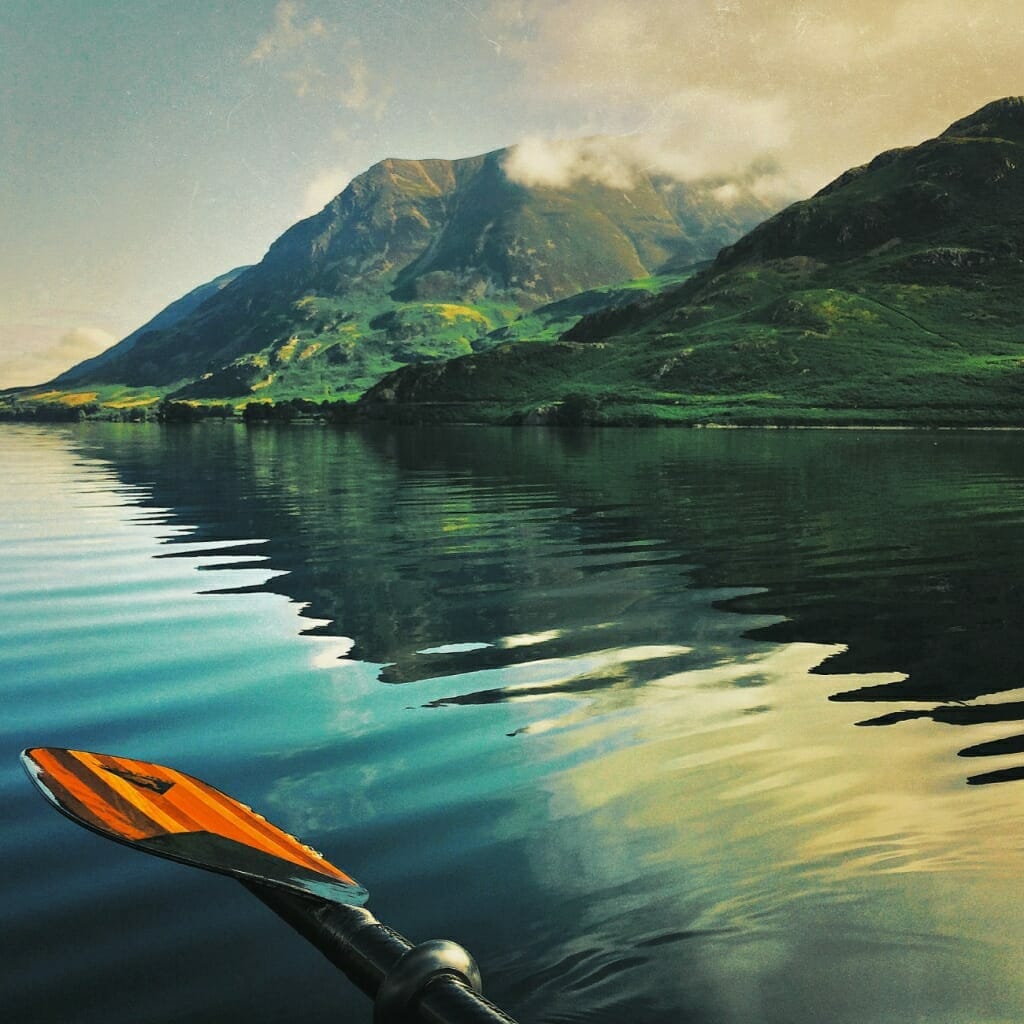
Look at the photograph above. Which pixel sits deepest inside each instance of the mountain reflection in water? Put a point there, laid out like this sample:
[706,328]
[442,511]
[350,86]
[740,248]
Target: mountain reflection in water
[905,549]
[566,697]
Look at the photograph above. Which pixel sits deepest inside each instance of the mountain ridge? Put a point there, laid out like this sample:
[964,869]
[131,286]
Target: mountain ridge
[415,260]
[891,295]
[167,317]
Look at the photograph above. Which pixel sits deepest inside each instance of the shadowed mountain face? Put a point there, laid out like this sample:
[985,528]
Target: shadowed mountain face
[893,294]
[165,319]
[418,260]
[963,189]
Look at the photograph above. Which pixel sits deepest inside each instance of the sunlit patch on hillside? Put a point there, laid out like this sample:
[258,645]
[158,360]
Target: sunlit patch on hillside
[136,402]
[451,313]
[72,399]
[287,350]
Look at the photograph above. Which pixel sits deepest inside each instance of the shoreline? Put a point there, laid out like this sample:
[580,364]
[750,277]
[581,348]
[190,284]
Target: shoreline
[388,422]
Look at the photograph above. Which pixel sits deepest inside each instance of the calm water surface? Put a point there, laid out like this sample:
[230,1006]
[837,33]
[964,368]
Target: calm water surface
[711,726]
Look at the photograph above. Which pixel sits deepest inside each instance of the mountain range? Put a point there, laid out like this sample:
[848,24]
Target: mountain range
[895,295]
[445,290]
[416,260]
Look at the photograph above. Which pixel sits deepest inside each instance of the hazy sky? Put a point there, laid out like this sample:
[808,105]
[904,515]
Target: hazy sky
[148,145]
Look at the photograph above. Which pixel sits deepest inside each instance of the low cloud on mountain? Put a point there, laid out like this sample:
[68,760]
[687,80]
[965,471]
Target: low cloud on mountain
[717,84]
[619,161]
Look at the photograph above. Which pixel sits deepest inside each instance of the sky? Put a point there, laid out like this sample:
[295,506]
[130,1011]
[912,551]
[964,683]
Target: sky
[147,146]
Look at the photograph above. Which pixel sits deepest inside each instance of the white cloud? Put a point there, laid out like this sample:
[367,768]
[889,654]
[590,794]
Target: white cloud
[727,194]
[29,354]
[320,62]
[699,136]
[326,184]
[364,92]
[288,33]
[824,85]
[558,163]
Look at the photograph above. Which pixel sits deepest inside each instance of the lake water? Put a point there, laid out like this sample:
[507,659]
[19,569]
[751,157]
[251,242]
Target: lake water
[711,726]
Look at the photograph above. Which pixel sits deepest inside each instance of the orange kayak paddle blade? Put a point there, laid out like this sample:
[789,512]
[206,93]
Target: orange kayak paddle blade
[163,811]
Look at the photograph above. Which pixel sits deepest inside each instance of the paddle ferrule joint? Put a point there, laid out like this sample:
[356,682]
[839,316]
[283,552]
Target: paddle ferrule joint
[415,970]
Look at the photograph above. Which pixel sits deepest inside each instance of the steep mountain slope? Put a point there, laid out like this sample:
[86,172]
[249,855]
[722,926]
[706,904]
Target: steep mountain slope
[416,260]
[894,294]
[166,318]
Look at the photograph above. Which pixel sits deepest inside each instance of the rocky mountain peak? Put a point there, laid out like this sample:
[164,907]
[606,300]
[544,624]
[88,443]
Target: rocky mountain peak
[1003,118]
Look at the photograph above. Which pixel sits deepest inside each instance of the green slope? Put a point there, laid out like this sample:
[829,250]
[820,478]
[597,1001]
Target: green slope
[415,261]
[894,295]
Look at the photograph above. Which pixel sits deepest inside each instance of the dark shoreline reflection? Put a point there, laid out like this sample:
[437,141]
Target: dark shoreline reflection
[904,548]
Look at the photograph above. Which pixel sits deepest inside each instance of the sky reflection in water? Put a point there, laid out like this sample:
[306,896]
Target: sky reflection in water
[524,711]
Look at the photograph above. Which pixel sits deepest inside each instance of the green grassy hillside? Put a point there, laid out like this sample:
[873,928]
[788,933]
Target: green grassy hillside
[415,261]
[894,295]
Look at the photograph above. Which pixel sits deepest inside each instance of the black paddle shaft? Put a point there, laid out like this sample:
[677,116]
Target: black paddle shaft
[367,952]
